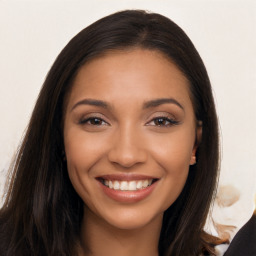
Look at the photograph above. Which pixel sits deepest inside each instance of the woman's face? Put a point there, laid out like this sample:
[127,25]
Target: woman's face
[130,136]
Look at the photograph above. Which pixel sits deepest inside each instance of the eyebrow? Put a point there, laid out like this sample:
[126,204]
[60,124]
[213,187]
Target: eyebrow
[148,104]
[158,102]
[92,102]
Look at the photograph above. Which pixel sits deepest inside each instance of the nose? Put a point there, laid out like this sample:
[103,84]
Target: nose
[127,148]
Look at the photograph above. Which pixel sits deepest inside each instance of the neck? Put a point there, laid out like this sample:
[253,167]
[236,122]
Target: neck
[100,238]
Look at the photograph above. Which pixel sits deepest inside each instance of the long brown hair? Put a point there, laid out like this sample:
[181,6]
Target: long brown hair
[42,213]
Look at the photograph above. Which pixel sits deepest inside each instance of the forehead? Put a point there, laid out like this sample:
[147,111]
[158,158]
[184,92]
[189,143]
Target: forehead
[133,73]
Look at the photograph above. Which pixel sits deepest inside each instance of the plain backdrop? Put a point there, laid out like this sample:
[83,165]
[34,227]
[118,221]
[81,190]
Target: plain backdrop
[32,33]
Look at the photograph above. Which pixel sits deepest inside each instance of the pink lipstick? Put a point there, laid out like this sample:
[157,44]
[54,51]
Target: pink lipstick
[127,188]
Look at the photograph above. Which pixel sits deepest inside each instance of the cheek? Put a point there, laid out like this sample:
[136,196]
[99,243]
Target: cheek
[82,151]
[174,152]
[173,155]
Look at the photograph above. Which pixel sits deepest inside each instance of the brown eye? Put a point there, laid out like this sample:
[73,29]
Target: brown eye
[162,122]
[93,121]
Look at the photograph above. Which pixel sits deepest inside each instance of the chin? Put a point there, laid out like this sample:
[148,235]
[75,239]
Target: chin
[132,219]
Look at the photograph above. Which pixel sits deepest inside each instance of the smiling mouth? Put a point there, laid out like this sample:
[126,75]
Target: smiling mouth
[131,185]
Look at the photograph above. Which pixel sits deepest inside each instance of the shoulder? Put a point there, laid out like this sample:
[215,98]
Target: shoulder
[244,241]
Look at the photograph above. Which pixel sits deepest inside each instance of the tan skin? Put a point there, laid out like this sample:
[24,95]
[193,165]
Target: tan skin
[128,113]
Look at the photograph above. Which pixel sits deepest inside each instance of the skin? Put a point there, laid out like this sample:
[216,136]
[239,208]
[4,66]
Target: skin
[128,137]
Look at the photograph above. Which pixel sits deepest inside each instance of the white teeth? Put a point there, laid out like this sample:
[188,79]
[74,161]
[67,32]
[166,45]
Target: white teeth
[128,185]
[110,184]
[116,185]
[139,184]
[145,183]
[132,185]
[124,185]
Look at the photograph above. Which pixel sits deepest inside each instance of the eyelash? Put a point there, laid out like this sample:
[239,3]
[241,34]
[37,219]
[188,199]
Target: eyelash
[99,121]
[90,119]
[170,121]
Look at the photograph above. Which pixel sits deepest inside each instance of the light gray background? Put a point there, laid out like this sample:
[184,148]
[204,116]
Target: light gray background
[32,33]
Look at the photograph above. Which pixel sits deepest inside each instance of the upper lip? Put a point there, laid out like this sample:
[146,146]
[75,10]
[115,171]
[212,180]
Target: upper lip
[126,177]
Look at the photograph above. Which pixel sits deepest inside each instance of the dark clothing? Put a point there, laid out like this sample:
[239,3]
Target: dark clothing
[244,242]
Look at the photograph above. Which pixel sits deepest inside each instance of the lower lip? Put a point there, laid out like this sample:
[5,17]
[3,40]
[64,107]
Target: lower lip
[128,196]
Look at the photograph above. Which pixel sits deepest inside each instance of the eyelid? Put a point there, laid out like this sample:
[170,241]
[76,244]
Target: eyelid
[93,118]
[166,116]
[84,119]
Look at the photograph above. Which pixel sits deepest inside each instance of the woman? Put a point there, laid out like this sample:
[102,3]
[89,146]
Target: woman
[121,152]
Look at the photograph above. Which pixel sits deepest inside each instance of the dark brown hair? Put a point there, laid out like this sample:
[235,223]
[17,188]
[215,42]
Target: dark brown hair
[42,212]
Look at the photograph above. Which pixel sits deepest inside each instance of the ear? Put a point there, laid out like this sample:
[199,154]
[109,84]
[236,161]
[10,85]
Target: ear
[199,130]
